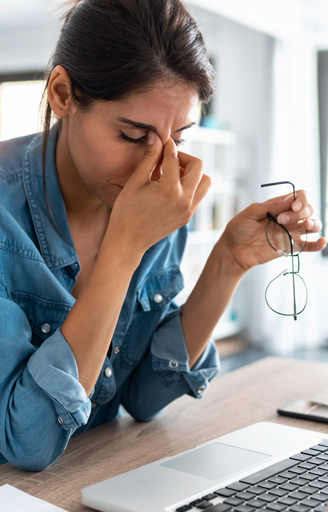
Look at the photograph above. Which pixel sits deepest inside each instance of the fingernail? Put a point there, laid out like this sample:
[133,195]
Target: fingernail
[283,219]
[151,138]
[311,224]
[288,198]
[297,206]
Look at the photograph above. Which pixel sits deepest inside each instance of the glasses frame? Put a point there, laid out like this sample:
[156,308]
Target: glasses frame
[294,273]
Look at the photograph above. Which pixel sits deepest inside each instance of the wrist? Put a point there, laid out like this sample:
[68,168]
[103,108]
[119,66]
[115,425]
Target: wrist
[228,263]
[117,251]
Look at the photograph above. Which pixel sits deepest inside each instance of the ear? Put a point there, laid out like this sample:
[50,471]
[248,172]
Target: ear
[60,92]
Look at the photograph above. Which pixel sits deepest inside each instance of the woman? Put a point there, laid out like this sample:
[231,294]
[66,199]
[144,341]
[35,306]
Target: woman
[92,229]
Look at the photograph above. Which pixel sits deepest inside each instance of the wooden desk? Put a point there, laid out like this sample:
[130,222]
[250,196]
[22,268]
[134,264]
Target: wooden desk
[232,401]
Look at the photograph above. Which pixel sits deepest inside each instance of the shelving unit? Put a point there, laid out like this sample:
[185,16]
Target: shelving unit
[218,150]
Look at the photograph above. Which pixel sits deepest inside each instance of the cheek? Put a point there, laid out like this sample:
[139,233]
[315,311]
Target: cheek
[99,161]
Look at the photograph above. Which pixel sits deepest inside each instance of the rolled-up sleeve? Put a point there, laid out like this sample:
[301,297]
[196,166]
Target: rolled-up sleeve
[169,352]
[41,399]
[164,374]
[54,369]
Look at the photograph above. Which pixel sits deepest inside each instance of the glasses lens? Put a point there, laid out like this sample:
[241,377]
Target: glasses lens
[280,294]
[278,239]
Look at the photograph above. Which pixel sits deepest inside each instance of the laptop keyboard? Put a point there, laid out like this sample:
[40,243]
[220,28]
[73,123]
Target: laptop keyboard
[297,484]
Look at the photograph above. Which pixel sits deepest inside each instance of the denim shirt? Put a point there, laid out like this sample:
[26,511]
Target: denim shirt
[42,403]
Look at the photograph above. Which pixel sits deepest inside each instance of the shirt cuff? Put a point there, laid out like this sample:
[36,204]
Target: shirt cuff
[169,353]
[168,346]
[203,371]
[54,369]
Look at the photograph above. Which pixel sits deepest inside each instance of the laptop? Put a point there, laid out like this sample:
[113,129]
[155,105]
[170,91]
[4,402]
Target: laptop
[264,467]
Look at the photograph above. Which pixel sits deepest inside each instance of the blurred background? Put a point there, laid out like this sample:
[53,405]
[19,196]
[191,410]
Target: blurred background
[267,122]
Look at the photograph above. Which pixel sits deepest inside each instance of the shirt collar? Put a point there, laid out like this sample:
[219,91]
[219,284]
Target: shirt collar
[56,245]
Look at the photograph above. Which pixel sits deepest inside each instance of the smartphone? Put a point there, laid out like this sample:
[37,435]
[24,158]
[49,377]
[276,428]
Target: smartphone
[305,409]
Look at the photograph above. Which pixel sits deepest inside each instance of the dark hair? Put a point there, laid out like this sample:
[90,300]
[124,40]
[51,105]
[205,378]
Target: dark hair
[114,48]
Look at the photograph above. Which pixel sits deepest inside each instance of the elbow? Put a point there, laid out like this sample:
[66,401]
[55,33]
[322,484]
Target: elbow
[28,465]
[32,452]
[31,460]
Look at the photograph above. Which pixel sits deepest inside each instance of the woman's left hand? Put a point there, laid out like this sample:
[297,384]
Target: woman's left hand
[245,237]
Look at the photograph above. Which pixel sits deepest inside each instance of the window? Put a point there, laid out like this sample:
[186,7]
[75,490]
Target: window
[19,105]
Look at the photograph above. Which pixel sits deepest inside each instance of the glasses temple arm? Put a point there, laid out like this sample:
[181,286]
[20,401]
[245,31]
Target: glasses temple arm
[281,183]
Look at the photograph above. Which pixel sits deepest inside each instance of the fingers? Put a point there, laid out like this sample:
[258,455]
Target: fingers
[284,203]
[143,172]
[313,225]
[202,189]
[288,210]
[307,226]
[290,217]
[188,170]
[158,171]
[170,165]
[193,172]
[181,172]
[319,245]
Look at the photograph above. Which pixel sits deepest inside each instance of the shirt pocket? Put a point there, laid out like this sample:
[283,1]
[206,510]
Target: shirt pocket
[153,299]
[44,316]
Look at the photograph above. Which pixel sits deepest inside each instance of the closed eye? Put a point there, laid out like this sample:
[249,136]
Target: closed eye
[143,139]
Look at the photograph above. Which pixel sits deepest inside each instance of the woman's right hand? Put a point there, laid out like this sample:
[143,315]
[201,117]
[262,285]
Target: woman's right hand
[146,211]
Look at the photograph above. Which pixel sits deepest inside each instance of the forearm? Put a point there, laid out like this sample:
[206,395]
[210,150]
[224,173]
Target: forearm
[209,299]
[90,325]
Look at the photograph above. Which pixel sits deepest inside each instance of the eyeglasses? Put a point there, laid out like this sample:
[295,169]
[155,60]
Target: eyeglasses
[282,291]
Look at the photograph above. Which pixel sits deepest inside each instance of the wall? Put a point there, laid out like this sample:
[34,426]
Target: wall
[277,18]
[28,39]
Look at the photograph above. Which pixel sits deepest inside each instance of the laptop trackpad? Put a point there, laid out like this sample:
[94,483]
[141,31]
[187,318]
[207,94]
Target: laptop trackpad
[215,461]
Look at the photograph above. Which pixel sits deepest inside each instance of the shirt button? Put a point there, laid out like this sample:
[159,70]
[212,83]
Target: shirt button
[60,420]
[201,389]
[173,364]
[158,298]
[116,351]
[74,265]
[45,328]
[86,412]
[108,372]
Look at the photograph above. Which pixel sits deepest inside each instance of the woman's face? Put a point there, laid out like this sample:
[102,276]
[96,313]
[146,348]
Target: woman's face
[107,143]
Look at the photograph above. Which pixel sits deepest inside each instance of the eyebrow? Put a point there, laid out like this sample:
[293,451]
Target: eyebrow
[149,126]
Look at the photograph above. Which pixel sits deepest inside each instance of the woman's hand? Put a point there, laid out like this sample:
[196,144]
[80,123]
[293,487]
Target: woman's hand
[160,196]
[245,237]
